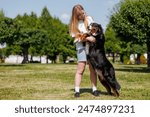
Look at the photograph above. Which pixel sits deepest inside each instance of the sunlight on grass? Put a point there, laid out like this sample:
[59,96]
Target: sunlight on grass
[56,81]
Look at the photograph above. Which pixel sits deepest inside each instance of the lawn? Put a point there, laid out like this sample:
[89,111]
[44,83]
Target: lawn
[56,82]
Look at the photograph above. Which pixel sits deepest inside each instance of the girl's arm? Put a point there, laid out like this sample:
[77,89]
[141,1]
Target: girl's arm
[91,39]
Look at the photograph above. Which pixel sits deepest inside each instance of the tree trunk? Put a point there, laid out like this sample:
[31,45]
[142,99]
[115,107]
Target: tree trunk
[31,59]
[40,59]
[25,55]
[113,55]
[47,59]
[138,62]
[121,58]
[148,55]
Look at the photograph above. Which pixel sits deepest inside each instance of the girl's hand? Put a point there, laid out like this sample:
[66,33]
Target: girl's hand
[91,39]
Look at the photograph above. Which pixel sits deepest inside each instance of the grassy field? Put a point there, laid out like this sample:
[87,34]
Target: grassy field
[56,82]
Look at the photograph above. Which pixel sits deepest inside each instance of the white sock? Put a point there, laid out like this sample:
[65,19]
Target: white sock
[77,89]
[94,88]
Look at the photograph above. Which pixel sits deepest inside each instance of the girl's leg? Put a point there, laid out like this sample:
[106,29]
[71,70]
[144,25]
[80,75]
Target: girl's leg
[78,75]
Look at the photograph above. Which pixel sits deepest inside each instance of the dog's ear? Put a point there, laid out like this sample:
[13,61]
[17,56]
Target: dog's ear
[89,27]
[100,28]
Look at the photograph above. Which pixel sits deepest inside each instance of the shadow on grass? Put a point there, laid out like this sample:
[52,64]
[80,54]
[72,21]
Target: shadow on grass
[89,90]
[137,69]
[85,90]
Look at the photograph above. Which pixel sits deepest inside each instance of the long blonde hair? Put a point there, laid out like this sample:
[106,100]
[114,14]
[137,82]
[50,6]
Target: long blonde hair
[73,26]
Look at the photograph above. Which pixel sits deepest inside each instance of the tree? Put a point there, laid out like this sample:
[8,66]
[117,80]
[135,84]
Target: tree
[110,37]
[8,30]
[132,23]
[2,15]
[65,42]
[1,44]
[29,36]
[59,42]
[25,33]
[45,22]
[125,49]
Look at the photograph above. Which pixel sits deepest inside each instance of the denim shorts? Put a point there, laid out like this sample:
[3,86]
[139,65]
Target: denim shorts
[81,55]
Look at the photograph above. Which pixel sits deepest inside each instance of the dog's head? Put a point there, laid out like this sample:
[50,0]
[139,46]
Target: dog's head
[95,29]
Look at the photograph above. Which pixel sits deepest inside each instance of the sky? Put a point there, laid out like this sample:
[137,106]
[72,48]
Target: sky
[100,10]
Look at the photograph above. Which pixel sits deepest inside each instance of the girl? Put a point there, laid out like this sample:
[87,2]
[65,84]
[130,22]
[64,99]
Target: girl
[78,24]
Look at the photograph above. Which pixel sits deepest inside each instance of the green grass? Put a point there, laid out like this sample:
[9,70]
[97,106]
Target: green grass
[56,81]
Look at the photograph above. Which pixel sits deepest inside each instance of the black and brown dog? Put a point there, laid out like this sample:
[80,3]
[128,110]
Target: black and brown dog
[99,62]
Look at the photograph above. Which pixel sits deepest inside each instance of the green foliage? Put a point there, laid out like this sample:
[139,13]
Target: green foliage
[132,23]
[136,48]
[59,42]
[132,20]
[110,37]
[8,30]
[44,35]
[115,44]
[2,15]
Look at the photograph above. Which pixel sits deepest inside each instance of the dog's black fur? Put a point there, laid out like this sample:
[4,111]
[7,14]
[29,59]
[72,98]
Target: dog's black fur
[100,63]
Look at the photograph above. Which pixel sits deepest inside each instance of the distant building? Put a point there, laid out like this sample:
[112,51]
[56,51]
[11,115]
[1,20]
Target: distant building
[17,59]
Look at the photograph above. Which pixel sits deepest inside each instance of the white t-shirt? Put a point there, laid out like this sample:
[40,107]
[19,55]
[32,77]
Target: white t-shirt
[82,28]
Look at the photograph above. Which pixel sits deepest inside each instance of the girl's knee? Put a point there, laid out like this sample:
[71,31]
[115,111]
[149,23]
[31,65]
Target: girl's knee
[80,72]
